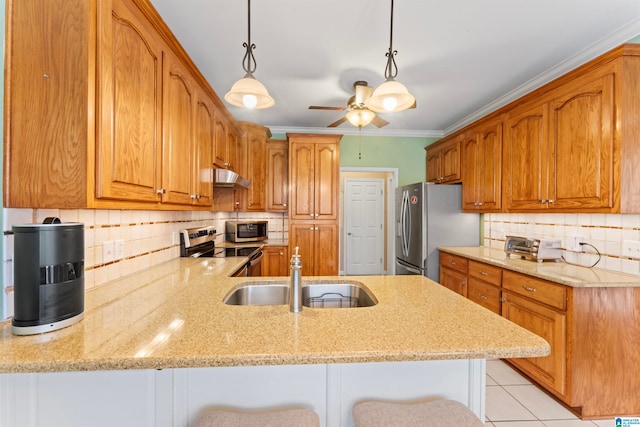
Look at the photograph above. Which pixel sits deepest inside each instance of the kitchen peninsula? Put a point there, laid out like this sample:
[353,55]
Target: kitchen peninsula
[160,345]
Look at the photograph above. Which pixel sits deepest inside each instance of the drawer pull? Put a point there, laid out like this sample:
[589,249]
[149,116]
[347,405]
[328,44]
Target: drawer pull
[482,297]
[452,262]
[526,288]
[484,273]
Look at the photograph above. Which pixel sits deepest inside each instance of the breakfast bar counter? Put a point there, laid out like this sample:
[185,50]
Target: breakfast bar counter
[181,302]
[161,345]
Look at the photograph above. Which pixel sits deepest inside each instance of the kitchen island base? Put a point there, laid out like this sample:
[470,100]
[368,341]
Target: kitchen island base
[174,397]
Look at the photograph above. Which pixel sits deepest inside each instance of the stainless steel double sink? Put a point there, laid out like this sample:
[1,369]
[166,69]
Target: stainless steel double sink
[315,294]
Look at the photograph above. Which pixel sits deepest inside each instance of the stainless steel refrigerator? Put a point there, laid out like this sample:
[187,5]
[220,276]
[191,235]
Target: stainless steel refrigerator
[429,216]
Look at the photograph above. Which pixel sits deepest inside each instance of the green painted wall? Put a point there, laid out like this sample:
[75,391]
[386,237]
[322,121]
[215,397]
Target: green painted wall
[407,154]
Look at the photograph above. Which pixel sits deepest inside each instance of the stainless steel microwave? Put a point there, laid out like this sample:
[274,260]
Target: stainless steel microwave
[245,231]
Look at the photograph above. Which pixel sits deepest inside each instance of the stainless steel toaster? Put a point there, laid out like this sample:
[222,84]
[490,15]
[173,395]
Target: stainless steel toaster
[533,249]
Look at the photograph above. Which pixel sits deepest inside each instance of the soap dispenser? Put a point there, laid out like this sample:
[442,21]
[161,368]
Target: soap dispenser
[295,287]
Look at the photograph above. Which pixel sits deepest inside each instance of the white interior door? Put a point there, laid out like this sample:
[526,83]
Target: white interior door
[364,226]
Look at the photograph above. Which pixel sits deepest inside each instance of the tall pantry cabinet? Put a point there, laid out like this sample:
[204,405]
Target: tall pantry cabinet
[314,171]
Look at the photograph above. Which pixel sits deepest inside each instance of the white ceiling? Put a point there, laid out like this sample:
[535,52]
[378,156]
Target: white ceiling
[460,58]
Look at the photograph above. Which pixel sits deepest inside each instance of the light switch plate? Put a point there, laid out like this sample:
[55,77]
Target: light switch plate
[631,249]
[119,249]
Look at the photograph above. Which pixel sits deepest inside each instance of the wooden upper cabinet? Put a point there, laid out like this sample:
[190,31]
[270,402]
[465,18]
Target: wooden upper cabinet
[314,176]
[118,114]
[277,176]
[130,108]
[49,110]
[178,125]
[204,134]
[226,141]
[253,152]
[482,171]
[582,126]
[558,152]
[443,161]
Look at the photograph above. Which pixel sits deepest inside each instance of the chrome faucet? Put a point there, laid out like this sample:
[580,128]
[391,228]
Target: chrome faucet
[295,286]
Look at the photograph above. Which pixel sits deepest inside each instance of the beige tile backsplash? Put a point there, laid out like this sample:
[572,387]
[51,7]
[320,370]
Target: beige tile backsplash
[606,232]
[150,237]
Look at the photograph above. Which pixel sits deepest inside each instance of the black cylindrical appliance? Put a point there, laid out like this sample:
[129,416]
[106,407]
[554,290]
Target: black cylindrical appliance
[48,276]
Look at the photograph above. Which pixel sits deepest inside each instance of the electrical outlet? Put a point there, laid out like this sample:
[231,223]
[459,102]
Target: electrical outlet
[108,251]
[573,243]
[631,249]
[119,249]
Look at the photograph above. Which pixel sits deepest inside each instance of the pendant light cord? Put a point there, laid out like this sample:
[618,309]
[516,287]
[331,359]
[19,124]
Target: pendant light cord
[391,70]
[249,61]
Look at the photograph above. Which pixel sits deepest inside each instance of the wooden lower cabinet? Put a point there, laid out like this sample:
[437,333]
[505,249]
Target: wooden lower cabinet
[318,243]
[593,333]
[453,273]
[551,325]
[275,261]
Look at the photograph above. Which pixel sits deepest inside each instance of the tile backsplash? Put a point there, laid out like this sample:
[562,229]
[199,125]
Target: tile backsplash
[150,238]
[606,232]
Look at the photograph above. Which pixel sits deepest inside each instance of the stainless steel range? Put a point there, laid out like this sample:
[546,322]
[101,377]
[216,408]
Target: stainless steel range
[198,242]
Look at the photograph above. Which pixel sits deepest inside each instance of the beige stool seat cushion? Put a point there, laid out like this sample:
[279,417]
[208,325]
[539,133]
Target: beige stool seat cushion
[434,413]
[230,417]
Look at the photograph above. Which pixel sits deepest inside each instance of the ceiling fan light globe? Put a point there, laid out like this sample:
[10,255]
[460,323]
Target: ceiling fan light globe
[247,88]
[360,117]
[390,97]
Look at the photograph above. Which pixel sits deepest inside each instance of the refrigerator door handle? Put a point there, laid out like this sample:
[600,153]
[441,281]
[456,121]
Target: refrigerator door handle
[410,267]
[406,223]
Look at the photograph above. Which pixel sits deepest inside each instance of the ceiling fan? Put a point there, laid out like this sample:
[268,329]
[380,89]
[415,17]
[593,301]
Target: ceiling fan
[357,112]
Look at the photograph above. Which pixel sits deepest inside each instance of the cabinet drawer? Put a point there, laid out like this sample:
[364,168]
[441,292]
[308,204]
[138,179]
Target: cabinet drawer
[453,261]
[484,294]
[537,289]
[485,272]
[454,280]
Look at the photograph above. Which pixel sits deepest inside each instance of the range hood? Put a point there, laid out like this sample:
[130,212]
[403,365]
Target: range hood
[224,178]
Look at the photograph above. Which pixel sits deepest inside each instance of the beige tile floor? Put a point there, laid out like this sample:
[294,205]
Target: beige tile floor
[513,401]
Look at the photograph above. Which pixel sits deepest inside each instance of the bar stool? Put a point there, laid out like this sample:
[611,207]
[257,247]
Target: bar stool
[278,417]
[433,413]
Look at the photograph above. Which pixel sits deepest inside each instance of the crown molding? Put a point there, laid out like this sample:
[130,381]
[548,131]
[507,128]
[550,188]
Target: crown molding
[354,131]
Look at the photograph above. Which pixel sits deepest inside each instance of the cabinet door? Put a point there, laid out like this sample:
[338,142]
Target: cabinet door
[256,170]
[489,167]
[220,147]
[433,164]
[130,79]
[177,138]
[326,249]
[454,280]
[277,176]
[471,174]
[275,261]
[302,180]
[302,236]
[549,324]
[326,178]
[582,126]
[232,148]
[204,142]
[526,155]
[450,161]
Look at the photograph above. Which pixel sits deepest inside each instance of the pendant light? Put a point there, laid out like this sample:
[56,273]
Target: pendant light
[391,96]
[248,92]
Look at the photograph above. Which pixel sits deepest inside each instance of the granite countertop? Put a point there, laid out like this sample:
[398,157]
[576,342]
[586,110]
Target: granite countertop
[172,316]
[559,272]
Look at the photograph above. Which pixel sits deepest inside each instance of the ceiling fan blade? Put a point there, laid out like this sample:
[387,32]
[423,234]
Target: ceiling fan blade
[318,107]
[337,122]
[379,122]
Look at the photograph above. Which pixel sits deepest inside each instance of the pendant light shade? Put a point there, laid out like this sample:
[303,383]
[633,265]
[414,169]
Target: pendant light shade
[391,96]
[248,92]
[360,117]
